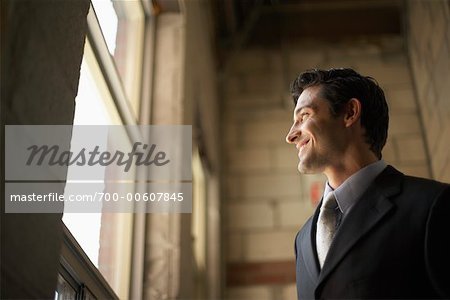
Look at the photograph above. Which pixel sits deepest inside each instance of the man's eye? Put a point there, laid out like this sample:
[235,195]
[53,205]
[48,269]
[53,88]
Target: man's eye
[304,116]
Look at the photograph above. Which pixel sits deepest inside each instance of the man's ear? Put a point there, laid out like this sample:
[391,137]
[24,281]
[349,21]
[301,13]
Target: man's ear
[352,112]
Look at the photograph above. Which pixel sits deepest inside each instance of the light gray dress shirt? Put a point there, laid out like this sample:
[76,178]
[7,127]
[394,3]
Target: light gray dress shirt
[348,193]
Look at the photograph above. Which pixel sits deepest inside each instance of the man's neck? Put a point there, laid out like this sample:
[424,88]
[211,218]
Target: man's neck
[338,174]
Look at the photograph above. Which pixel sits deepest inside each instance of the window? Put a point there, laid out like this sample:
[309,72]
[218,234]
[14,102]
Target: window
[122,25]
[199,223]
[97,246]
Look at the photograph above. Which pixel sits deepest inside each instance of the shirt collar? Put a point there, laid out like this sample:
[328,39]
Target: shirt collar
[353,187]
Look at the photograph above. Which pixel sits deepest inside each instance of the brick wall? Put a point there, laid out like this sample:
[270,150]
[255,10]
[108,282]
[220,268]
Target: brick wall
[266,200]
[429,52]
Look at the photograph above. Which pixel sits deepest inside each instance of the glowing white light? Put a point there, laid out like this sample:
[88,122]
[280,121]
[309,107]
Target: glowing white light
[108,20]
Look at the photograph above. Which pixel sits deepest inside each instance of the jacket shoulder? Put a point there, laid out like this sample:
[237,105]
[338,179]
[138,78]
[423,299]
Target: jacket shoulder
[422,186]
[416,187]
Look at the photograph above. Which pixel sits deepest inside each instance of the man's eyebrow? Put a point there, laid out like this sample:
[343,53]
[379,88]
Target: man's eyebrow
[310,106]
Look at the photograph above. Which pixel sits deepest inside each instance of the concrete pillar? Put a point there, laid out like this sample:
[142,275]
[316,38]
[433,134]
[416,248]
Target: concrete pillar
[42,47]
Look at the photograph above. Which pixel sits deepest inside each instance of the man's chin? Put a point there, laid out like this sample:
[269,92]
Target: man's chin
[306,169]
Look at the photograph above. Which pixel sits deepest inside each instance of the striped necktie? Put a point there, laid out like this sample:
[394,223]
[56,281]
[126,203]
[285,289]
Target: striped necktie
[326,226]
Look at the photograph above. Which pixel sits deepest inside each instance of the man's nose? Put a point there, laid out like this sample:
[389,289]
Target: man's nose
[292,135]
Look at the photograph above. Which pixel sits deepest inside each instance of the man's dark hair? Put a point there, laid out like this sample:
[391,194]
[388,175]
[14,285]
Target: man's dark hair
[338,86]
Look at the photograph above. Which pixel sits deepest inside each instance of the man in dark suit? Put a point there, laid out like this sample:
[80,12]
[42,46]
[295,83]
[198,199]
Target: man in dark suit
[376,234]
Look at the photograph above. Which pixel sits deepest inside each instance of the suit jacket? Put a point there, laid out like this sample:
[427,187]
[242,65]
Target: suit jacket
[394,243]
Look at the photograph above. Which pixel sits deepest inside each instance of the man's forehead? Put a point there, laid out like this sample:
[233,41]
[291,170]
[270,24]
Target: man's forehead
[307,98]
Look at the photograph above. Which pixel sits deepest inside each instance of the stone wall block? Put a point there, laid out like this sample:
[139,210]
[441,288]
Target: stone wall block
[270,246]
[243,216]
[272,185]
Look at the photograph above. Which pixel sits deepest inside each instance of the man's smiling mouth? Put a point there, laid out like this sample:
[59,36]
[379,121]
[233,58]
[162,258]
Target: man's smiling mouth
[302,144]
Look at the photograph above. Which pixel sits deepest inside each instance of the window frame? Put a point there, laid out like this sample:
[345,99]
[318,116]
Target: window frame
[75,266]
[108,68]
[77,269]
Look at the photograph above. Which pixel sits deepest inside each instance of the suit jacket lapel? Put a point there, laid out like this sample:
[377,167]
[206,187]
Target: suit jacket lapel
[308,247]
[364,216]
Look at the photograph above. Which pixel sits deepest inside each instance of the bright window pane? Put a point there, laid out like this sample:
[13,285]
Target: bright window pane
[122,25]
[93,107]
[108,20]
[104,237]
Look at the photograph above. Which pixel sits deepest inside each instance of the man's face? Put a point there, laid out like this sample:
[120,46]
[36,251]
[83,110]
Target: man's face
[319,137]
